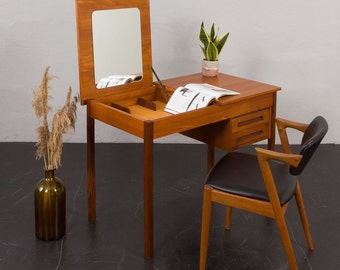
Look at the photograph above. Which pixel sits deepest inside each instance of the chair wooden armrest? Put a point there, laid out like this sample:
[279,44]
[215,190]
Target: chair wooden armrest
[264,155]
[282,125]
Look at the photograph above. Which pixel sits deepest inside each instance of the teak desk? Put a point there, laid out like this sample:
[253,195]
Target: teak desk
[229,123]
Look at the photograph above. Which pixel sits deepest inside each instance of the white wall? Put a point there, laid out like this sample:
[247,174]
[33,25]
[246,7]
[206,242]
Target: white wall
[292,44]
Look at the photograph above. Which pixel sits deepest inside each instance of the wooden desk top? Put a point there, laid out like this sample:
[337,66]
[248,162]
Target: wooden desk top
[247,88]
[253,96]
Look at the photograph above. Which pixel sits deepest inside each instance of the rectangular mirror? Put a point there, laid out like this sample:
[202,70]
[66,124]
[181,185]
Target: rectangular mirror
[117,46]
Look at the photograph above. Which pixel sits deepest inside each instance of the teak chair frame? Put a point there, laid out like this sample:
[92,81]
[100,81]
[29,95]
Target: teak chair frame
[273,208]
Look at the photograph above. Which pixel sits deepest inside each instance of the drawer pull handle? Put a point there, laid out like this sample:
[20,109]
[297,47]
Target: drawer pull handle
[254,134]
[250,121]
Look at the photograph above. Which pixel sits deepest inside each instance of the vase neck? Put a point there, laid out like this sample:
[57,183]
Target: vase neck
[49,174]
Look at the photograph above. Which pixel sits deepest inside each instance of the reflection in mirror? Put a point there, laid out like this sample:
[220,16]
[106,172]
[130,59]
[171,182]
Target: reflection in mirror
[117,46]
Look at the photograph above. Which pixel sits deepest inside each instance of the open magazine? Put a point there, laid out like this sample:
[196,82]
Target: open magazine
[117,80]
[194,96]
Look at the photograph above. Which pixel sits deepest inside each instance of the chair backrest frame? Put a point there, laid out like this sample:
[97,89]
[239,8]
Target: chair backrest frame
[311,140]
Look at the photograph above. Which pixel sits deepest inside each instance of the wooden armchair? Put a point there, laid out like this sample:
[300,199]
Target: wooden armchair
[263,183]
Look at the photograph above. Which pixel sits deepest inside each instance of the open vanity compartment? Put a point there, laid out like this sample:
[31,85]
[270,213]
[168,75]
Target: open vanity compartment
[129,105]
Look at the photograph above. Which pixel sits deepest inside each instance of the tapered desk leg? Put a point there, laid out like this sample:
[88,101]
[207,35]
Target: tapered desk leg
[91,182]
[271,140]
[148,189]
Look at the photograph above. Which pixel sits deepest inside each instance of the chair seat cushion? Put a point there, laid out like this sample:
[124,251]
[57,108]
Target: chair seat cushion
[240,174]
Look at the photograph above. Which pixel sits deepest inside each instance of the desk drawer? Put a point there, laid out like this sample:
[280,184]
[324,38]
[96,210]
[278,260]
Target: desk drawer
[249,128]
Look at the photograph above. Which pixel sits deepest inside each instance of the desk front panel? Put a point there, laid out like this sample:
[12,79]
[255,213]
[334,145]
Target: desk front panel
[247,124]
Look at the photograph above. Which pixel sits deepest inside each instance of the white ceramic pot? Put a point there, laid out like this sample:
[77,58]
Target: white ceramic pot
[210,68]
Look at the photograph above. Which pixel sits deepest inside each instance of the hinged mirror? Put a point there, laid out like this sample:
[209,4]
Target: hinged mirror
[114,48]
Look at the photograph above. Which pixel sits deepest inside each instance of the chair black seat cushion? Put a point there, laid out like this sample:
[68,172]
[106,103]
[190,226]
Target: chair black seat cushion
[240,174]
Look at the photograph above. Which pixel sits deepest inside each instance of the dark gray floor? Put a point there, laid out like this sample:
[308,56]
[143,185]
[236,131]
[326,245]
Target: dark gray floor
[115,240]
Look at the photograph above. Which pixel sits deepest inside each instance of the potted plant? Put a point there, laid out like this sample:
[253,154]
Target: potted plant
[50,193]
[212,45]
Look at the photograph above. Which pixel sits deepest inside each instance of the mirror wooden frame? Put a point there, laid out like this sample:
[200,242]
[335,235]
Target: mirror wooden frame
[88,90]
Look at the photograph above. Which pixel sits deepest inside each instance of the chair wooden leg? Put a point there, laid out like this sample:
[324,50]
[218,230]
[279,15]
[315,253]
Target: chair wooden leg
[206,215]
[283,230]
[303,216]
[229,211]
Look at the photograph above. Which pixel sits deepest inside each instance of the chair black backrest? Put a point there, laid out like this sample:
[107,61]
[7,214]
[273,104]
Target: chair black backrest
[312,138]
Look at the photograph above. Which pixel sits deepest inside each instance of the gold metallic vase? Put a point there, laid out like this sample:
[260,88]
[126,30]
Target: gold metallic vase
[50,207]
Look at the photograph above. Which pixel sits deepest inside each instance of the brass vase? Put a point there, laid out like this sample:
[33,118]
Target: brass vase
[50,207]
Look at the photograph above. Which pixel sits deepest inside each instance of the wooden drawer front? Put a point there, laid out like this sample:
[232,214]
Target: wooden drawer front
[250,128]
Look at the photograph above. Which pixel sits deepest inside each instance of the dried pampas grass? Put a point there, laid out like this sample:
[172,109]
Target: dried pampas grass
[50,142]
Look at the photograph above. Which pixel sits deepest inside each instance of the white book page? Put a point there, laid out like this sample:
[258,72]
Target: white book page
[185,99]
[195,96]
[211,89]
[116,80]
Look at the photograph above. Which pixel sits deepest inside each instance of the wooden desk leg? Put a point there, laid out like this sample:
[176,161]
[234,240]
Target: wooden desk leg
[210,156]
[91,181]
[148,189]
[271,140]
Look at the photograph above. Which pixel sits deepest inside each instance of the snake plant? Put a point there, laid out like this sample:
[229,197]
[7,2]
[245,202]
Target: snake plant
[212,43]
